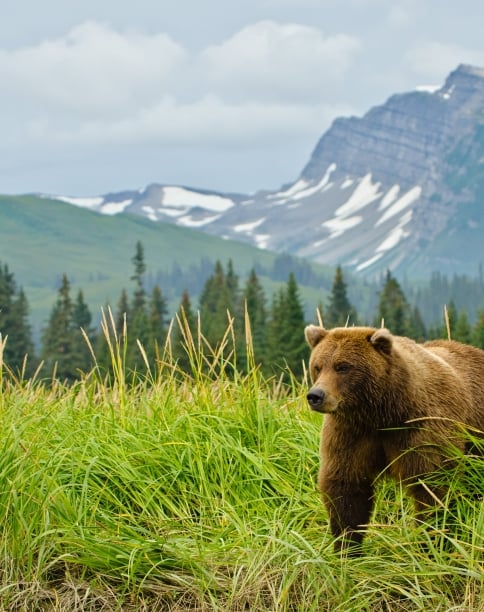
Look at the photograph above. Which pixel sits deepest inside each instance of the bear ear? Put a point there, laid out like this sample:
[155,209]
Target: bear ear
[314,334]
[382,340]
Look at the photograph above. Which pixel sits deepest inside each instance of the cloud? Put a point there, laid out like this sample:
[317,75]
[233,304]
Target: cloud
[97,85]
[399,16]
[209,120]
[92,69]
[434,60]
[271,61]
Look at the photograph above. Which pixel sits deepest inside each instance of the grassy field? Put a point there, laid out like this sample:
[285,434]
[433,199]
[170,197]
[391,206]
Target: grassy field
[197,492]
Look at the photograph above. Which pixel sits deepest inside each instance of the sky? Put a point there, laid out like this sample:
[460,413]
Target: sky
[99,96]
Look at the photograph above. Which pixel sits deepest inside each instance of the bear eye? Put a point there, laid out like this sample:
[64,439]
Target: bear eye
[317,370]
[342,367]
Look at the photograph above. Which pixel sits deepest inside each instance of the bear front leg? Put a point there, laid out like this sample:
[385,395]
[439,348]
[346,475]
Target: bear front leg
[349,505]
[349,465]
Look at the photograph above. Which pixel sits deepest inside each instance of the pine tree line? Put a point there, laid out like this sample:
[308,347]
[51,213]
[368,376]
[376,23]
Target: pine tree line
[467,292]
[273,328]
[14,323]
[64,350]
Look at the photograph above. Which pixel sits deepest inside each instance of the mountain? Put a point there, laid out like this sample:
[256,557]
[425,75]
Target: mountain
[399,188]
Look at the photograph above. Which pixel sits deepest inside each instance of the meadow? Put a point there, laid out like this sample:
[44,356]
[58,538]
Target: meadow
[175,491]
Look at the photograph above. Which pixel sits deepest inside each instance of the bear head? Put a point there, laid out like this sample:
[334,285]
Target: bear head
[349,368]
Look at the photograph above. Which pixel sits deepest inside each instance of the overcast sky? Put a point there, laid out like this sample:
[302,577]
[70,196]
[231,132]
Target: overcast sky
[105,95]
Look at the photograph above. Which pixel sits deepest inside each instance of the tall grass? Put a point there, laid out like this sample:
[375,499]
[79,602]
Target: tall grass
[197,492]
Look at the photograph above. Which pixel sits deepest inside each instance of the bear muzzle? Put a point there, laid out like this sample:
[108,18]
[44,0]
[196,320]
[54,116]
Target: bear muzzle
[316,397]
[323,401]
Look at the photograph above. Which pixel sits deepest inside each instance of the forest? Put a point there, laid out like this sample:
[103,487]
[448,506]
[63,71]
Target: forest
[230,313]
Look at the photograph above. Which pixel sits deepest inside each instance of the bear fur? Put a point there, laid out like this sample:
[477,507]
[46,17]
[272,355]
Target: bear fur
[391,406]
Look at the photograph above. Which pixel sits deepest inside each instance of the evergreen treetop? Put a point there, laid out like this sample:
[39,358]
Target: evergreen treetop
[340,312]
[61,336]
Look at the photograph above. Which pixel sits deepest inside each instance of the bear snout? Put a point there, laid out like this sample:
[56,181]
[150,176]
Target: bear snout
[316,397]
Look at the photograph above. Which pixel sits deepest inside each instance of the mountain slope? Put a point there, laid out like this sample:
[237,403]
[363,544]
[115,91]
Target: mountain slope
[398,188]
[40,239]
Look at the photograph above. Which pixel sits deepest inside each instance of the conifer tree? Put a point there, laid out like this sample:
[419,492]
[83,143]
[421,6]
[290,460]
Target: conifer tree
[298,350]
[254,300]
[184,333]
[7,287]
[478,330]
[276,359]
[339,311]
[462,331]
[82,319]
[209,296]
[58,338]
[7,327]
[118,317]
[286,343]
[138,318]
[232,281]
[158,312]
[416,329]
[14,323]
[235,306]
[138,260]
[215,301]
[23,345]
[393,308]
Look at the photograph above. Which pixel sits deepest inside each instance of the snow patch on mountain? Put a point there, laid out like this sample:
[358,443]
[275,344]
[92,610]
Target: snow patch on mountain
[176,197]
[96,203]
[394,237]
[337,226]
[324,182]
[390,197]
[114,208]
[429,88]
[446,94]
[404,202]
[248,228]
[287,193]
[347,183]
[369,262]
[169,211]
[262,240]
[150,212]
[397,234]
[302,189]
[365,193]
[93,202]
[189,221]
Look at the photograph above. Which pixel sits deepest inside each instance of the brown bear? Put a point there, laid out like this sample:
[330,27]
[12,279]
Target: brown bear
[391,406]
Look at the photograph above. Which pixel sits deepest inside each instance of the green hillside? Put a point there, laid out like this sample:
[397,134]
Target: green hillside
[41,239]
